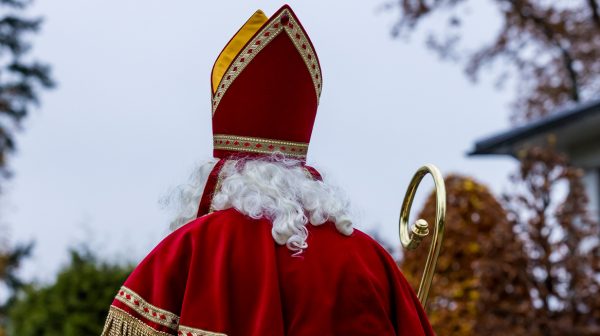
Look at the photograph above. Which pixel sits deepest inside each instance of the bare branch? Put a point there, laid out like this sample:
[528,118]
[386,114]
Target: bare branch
[593,4]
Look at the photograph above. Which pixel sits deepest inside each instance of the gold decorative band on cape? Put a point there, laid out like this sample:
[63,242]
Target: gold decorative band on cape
[187,331]
[260,40]
[219,183]
[120,323]
[259,145]
[147,310]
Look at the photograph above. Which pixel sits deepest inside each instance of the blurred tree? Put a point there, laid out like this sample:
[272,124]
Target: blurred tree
[10,260]
[76,304]
[552,46]
[549,210]
[21,80]
[480,285]
[533,269]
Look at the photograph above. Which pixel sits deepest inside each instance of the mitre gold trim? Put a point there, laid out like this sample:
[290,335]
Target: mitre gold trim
[259,145]
[262,38]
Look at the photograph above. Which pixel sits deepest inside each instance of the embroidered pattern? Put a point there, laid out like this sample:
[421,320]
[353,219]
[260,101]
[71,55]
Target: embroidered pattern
[283,22]
[146,310]
[120,323]
[259,145]
[187,331]
[219,183]
[308,173]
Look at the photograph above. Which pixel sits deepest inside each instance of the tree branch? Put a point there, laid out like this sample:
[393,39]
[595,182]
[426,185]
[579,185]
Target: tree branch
[542,24]
[593,4]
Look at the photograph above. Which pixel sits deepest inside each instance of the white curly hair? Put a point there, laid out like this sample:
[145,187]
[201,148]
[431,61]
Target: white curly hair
[278,188]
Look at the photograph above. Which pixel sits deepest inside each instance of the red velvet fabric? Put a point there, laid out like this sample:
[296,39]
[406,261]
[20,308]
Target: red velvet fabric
[224,273]
[274,97]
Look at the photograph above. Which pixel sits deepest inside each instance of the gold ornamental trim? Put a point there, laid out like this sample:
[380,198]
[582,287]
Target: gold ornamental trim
[187,331]
[219,184]
[121,323]
[147,310]
[259,145]
[260,41]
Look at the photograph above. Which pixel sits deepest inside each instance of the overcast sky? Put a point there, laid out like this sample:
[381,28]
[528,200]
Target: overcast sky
[131,117]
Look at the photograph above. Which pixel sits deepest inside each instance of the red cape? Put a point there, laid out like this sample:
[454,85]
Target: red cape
[222,274]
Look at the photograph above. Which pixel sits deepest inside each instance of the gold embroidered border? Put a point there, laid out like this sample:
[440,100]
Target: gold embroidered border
[219,183]
[309,56]
[259,145]
[308,174]
[262,39]
[120,323]
[187,331]
[147,310]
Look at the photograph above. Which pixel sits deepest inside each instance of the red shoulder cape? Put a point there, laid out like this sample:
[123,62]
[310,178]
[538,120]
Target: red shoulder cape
[222,274]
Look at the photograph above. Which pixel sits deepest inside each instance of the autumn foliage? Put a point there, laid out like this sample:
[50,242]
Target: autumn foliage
[527,266]
[480,264]
[548,208]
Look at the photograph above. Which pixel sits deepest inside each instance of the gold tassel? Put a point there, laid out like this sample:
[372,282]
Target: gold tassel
[120,323]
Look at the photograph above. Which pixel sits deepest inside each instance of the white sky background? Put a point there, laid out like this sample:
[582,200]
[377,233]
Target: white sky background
[131,117]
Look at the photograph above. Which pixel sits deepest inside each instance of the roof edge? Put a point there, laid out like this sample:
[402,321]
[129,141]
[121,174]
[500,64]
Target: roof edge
[491,144]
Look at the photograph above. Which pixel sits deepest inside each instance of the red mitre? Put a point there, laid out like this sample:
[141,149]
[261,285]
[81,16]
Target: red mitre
[266,85]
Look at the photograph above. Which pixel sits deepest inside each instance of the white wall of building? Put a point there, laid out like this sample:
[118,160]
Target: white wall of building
[591,180]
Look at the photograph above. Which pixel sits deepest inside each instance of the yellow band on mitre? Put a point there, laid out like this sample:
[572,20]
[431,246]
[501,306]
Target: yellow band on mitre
[233,48]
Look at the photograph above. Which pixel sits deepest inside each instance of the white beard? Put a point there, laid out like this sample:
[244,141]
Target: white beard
[276,188]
